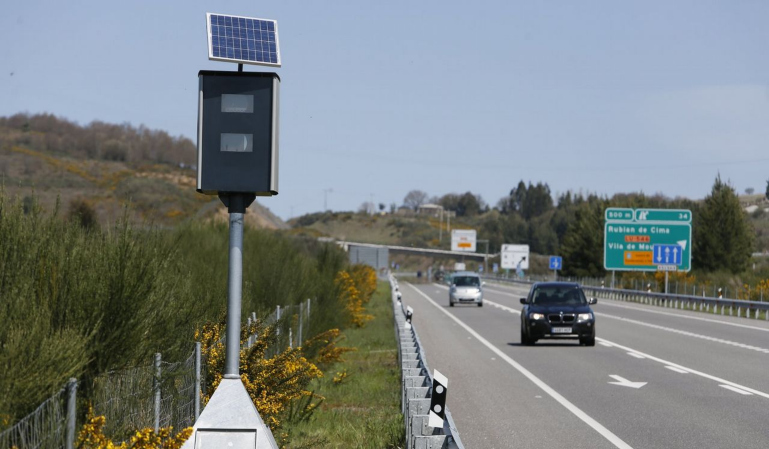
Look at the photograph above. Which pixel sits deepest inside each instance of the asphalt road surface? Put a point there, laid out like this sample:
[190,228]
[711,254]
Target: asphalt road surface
[657,378]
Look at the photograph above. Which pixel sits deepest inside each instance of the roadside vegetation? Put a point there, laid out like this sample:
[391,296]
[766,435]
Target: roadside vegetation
[725,234]
[362,399]
[79,300]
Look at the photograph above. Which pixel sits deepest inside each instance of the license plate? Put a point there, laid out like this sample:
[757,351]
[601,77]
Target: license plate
[561,330]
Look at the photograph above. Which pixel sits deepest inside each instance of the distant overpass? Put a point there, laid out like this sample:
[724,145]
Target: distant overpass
[417,251]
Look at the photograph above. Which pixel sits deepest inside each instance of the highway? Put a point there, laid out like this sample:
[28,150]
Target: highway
[657,378]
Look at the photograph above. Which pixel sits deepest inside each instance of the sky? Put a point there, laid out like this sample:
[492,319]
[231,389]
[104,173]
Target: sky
[380,98]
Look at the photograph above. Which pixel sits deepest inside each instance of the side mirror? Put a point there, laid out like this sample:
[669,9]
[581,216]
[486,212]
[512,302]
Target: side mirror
[524,301]
[482,284]
[592,301]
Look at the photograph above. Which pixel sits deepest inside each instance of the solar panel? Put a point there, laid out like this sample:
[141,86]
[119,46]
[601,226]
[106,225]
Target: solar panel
[244,40]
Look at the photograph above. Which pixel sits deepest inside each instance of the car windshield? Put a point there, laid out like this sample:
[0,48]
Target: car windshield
[467,281]
[559,295]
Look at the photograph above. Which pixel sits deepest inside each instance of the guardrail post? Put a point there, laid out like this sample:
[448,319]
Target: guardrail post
[156,387]
[71,413]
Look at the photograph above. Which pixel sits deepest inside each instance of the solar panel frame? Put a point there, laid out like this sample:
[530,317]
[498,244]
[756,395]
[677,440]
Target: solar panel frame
[245,35]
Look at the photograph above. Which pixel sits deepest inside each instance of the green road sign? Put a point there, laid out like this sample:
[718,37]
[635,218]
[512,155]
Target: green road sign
[619,214]
[646,244]
[674,215]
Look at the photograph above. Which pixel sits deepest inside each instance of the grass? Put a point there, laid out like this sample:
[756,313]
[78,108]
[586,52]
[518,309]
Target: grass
[363,410]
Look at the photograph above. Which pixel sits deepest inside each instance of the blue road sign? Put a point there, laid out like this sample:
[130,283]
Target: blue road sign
[556,262]
[667,255]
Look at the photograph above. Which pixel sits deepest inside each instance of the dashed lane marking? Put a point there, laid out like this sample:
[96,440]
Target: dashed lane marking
[576,411]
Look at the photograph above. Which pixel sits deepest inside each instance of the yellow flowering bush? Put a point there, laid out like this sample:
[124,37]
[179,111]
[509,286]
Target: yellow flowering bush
[365,281]
[754,293]
[340,377]
[277,385]
[352,298]
[92,436]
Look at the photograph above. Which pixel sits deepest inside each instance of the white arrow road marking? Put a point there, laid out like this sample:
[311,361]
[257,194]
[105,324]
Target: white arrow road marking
[622,382]
[576,411]
[737,390]
[663,361]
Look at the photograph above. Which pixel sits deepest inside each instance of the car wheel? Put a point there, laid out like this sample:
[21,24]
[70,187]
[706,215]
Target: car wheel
[451,304]
[588,341]
[525,340]
[480,304]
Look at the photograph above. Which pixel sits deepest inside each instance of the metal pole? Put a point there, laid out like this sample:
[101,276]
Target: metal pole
[71,412]
[198,388]
[156,383]
[666,282]
[301,316]
[440,230]
[234,287]
[612,278]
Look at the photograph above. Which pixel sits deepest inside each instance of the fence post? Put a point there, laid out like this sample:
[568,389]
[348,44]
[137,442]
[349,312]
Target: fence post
[71,412]
[156,387]
[198,388]
[301,316]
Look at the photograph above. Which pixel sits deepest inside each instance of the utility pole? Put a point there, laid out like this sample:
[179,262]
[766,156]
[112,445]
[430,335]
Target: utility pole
[440,229]
[325,198]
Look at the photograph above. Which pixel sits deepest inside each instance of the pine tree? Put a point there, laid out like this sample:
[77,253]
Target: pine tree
[583,243]
[723,236]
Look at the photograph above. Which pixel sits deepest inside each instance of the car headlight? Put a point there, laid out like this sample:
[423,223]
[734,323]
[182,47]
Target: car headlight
[536,316]
[584,317]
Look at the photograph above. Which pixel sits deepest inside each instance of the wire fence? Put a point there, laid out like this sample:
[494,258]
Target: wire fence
[45,428]
[159,394]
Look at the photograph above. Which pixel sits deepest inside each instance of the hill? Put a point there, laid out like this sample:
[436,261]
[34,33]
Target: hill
[98,169]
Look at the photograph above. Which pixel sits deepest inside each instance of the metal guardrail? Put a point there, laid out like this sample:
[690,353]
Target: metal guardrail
[724,306]
[416,391]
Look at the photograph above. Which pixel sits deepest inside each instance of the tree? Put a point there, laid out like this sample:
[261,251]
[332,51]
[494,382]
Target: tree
[414,199]
[766,195]
[582,245]
[749,191]
[723,237]
[530,201]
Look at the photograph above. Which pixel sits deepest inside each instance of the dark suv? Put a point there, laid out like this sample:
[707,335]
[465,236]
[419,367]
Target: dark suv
[557,310]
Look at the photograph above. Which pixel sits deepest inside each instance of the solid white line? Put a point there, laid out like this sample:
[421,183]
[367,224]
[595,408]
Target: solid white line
[676,369]
[636,355]
[664,362]
[687,333]
[598,427]
[736,390]
[688,317]
[659,312]
[676,331]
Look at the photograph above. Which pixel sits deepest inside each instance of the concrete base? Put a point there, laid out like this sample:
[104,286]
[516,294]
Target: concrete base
[230,421]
